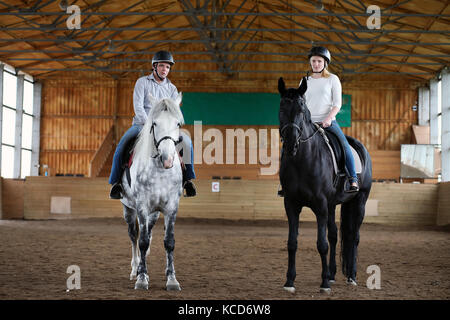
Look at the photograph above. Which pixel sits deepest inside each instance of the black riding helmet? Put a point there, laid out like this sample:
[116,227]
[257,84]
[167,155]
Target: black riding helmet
[321,52]
[163,56]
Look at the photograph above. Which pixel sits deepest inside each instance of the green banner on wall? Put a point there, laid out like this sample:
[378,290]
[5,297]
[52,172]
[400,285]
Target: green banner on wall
[344,116]
[242,108]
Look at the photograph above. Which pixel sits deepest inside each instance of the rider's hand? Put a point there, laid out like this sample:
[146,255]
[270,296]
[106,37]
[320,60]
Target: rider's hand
[326,122]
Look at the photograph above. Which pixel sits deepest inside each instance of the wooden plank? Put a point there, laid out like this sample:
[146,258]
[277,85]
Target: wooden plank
[397,204]
[12,193]
[443,215]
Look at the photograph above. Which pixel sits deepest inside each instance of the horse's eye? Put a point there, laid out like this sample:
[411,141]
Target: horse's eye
[179,124]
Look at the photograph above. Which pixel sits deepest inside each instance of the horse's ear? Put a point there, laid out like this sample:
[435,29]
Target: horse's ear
[152,100]
[303,86]
[281,86]
[178,99]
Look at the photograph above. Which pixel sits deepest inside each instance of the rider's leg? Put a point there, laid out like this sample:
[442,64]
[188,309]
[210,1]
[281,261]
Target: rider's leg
[116,169]
[188,159]
[349,160]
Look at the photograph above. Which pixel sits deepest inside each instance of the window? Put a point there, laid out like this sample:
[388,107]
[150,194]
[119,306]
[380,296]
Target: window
[439,92]
[11,148]
[7,161]
[25,169]
[9,89]
[9,126]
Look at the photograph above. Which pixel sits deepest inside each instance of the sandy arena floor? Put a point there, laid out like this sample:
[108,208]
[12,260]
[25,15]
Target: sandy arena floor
[213,260]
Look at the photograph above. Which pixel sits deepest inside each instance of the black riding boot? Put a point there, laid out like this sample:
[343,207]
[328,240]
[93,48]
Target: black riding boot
[351,188]
[116,191]
[190,188]
[188,185]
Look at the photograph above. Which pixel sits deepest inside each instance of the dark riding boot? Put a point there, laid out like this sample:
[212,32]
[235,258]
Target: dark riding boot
[116,191]
[352,188]
[190,189]
[281,192]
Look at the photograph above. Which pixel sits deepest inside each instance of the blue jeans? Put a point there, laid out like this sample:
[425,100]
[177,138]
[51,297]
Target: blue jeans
[349,161]
[131,133]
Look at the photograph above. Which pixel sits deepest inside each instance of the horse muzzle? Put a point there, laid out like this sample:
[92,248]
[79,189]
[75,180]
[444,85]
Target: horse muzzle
[167,161]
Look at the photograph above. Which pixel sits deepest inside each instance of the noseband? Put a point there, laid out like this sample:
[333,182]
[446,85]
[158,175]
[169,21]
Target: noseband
[157,143]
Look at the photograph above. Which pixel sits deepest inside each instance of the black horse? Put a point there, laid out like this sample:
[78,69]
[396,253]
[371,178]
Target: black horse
[307,177]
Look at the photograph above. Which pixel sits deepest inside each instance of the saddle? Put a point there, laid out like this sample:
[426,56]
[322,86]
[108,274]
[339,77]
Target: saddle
[337,152]
[127,159]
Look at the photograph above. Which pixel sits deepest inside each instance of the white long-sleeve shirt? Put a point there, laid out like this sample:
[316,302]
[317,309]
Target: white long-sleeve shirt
[141,102]
[323,94]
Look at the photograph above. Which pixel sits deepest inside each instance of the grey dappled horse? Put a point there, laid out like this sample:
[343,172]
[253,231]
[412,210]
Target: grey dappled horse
[156,186]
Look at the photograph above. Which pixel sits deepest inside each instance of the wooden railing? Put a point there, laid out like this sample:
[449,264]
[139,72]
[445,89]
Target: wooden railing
[99,158]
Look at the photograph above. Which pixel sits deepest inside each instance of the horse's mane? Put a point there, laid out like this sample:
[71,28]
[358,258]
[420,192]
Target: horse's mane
[144,143]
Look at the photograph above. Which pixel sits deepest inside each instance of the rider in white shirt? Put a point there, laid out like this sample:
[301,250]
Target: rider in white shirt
[324,100]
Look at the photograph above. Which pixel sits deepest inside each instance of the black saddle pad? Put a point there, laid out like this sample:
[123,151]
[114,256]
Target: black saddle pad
[338,150]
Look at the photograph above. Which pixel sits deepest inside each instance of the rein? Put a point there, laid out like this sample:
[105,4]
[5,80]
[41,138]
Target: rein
[299,139]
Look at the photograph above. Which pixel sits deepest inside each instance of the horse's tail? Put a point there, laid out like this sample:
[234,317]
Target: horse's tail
[352,215]
[346,226]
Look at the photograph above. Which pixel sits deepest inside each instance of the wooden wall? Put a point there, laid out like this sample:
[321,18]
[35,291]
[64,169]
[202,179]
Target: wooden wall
[443,216]
[391,204]
[77,114]
[382,118]
[12,198]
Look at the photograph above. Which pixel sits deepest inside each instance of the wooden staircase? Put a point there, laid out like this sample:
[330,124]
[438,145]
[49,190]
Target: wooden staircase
[106,169]
[101,162]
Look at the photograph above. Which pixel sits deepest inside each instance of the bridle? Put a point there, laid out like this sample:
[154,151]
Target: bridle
[299,139]
[158,142]
[299,129]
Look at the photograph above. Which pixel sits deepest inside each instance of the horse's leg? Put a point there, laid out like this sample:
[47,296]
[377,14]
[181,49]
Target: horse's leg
[169,245]
[352,215]
[293,213]
[146,223]
[151,223]
[322,245]
[332,239]
[133,231]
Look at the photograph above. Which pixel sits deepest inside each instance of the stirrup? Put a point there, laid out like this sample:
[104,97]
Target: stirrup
[352,189]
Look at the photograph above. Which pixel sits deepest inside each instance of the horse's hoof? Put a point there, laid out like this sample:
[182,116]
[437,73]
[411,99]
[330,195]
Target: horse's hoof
[325,290]
[141,282]
[173,285]
[289,289]
[352,282]
[331,281]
